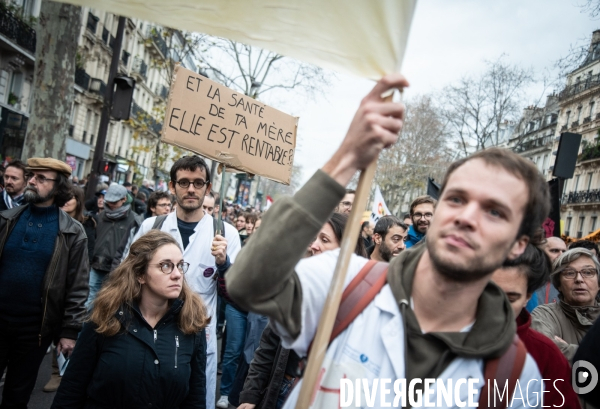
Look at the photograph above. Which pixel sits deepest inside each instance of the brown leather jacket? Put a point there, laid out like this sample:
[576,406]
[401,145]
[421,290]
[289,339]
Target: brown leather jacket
[66,282]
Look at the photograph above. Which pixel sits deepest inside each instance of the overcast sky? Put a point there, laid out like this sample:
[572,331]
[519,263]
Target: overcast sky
[448,39]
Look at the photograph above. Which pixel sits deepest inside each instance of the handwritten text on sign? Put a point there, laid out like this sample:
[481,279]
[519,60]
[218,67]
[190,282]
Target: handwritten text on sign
[230,127]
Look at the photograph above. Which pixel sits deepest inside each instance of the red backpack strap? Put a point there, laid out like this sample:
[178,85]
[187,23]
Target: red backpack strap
[358,294]
[506,368]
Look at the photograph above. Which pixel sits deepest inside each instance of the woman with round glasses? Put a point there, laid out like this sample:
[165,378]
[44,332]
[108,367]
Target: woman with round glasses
[144,345]
[575,275]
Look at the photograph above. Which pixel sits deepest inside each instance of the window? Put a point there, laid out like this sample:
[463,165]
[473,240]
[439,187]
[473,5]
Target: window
[86,128]
[3,85]
[568,117]
[593,224]
[545,165]
[580,230]
[576,183]
[590,176]
[569,220]
[592,108]
[578,114]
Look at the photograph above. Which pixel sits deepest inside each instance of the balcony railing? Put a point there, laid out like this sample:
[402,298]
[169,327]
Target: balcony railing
[590,152]
[98,86]
[586,196]
[160,42]
[15,29]
[125,57]
[92,23]
[82,78]
[575,124]
[535,143]
[141,115]
[587,119]
[563,128]
[579,87]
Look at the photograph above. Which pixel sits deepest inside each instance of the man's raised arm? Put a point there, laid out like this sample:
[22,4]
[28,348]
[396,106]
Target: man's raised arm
[262,279]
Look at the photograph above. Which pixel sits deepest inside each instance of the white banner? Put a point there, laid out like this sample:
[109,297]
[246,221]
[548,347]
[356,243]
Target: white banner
[379,209]
[364,38]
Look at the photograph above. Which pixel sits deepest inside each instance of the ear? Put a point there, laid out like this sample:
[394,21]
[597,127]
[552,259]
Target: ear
[529,295]
[376,238]
[208,187]
[172,187]
[141,280]
[518,247]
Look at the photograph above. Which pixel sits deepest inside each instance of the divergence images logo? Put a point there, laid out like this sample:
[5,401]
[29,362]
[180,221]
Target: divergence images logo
[588,375]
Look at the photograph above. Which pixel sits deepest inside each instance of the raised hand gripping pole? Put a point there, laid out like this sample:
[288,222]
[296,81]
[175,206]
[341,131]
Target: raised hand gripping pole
[332,304]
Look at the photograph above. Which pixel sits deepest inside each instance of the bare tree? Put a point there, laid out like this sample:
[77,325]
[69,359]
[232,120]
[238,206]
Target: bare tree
[420,152]
[53,80]
[475,108]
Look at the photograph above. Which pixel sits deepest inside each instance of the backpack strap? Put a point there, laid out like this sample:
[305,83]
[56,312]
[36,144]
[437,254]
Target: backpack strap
[508,367]
[358,294]
[158,222]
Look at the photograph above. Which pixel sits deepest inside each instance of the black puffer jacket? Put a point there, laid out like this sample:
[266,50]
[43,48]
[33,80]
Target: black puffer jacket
[140,367]
[66,281]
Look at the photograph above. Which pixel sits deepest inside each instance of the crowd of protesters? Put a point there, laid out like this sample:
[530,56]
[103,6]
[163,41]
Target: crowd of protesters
[136,286]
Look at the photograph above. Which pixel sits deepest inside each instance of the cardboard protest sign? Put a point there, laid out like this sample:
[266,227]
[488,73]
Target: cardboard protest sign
[212,120]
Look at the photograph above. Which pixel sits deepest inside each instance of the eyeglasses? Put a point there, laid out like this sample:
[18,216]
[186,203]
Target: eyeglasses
[40,178]
[167,267]
[423,215]
[198,183]
[346,204]
[570,273]
[164,205]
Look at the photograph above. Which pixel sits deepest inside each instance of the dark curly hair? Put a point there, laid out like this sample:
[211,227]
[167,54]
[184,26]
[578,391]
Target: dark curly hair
[535,263]
[63,190]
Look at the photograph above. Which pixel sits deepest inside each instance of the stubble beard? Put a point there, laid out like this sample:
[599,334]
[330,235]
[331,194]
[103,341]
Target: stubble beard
[187,208]
[31,195]
[384,251]
[472,270]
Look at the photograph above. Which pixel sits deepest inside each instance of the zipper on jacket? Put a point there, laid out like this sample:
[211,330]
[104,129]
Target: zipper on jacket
[52,270]
[155,336]
[176,347]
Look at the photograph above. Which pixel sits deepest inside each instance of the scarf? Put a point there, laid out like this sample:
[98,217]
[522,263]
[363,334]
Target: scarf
[12,202]
[117,213]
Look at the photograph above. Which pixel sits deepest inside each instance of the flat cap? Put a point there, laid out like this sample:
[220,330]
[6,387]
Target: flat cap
[115,193]
[49,164]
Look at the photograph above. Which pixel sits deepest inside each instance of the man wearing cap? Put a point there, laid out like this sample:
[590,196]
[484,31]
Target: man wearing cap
[114,223]
[43,278]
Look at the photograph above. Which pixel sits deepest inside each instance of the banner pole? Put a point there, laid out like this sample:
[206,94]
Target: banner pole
[310,380]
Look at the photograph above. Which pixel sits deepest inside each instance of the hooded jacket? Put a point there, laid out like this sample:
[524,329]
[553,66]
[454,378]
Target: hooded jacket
[552,364]
[65,285]
[414,236]
[140,367]
[271,286]
[109,234]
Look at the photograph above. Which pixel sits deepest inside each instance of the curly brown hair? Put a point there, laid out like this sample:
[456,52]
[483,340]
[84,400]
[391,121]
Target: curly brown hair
[123,287]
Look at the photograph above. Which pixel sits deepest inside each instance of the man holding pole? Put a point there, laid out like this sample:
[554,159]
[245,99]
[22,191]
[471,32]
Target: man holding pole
[207,250]
[438,315]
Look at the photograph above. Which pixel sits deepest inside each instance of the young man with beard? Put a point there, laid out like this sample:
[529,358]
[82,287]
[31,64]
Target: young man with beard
[389,236]
[15,181]
[421,213]
[205,251]
[438,316]
[43,278]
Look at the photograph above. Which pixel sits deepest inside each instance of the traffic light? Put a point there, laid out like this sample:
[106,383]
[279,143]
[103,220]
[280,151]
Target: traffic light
[122,97]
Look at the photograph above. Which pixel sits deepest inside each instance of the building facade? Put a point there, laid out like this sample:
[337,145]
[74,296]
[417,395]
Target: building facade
[534,135]
[17,59]
[580,203]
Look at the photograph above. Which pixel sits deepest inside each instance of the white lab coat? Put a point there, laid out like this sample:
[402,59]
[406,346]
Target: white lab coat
[201,277]
[372,347]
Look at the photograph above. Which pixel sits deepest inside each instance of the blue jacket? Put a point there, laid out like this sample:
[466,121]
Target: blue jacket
[140,367]
[413,237]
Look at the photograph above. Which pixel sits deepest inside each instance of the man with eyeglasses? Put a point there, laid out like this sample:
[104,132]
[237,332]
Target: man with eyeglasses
[159,203]
[43,278]
[114,224]
[345,205]
[209,252]
[421,213]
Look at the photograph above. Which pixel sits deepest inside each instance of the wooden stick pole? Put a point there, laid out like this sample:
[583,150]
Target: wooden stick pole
[221,193]
[332,303]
